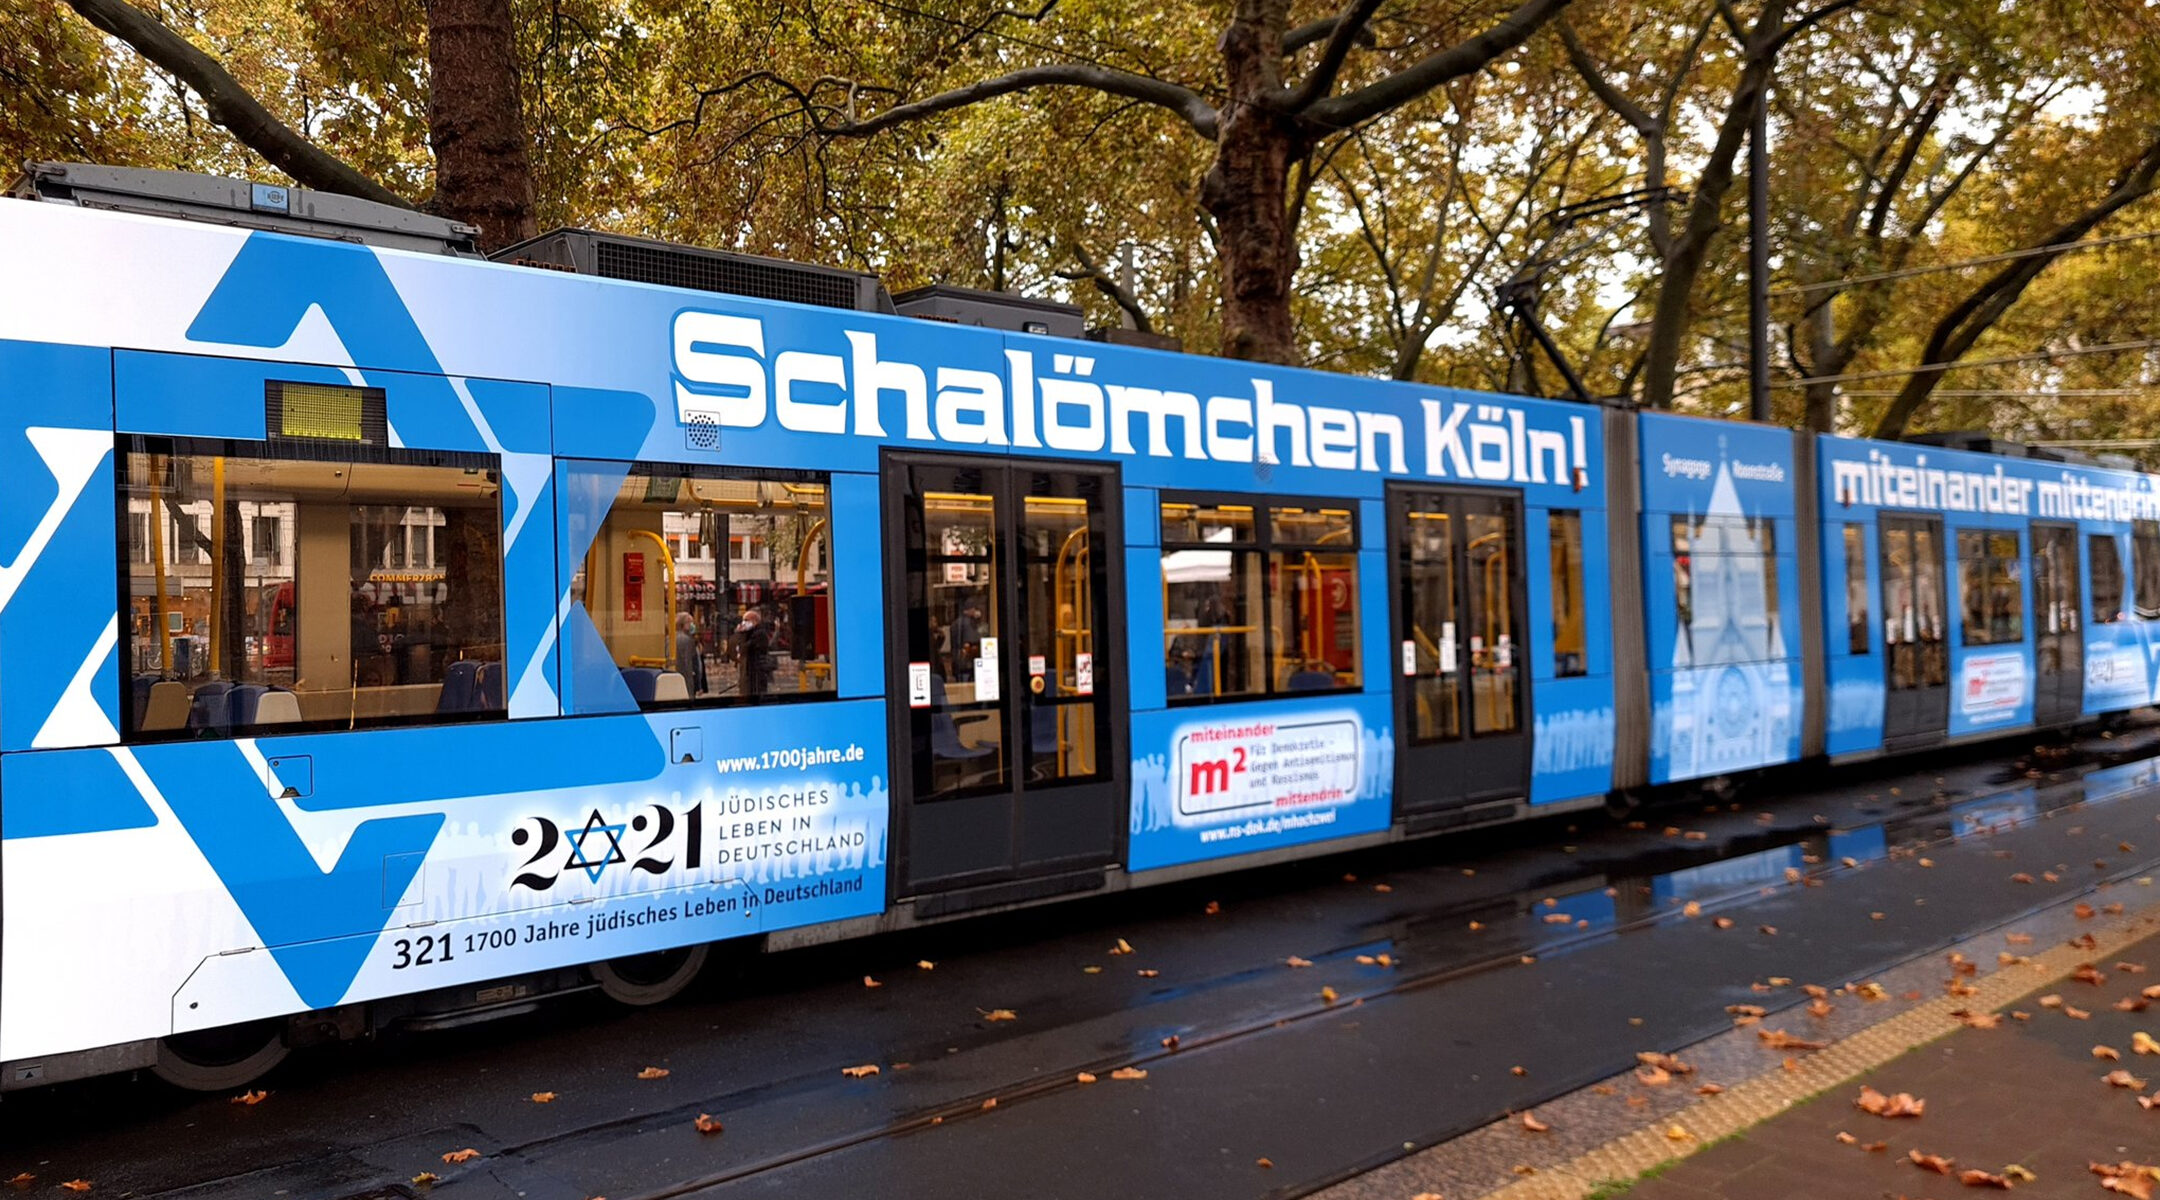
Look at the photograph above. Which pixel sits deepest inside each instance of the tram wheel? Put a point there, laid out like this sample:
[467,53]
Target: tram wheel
[218,1060]
[642,979]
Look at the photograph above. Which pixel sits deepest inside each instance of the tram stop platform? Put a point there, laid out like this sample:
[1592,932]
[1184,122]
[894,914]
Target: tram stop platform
[2011,1040]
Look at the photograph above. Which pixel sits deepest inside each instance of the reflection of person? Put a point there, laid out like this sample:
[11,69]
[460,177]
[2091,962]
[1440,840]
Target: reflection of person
[753,647]
[688,659]
[967,629]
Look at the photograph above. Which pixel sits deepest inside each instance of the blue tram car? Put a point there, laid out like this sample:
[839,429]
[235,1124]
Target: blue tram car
[388,634]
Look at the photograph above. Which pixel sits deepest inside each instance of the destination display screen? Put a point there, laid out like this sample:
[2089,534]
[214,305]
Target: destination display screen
[324,412]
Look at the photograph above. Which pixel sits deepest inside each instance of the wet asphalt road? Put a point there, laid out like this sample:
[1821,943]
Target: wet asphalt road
[1408,1054]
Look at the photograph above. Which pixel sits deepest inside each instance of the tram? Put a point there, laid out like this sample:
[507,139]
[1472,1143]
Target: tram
[393,636]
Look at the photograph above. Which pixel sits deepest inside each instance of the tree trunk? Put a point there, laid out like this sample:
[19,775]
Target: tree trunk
[476,120]
[1247,190]
[1823,359]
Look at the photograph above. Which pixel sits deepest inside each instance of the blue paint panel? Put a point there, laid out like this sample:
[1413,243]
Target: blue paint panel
[224,396]
[858,543]
[1375,639]
[1223,780]
[1143,618]
[1572,739]
[56,489]
[1143,517]
[602,423]
[50,794]
[1725,689]
[445,762]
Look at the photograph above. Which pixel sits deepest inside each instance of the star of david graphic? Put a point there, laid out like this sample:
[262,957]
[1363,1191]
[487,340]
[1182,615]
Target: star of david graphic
[579,857]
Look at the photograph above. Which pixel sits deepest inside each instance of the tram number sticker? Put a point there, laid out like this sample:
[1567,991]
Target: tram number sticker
[1238,769]
[918,685]
[1409,656]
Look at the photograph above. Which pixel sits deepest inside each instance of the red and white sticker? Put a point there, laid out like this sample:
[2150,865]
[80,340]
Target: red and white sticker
[1084,673]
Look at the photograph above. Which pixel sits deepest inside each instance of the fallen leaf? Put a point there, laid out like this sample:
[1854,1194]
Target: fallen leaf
[1930,1162]
[1518,1072]
[1847,1138]
[1122,947]
[2051,1000]
[1981,1179]
[2085,912]
[2151,993]
[1723,922]
[1654,1076]
[2142,1042]
[1745,1010]
[1147,972]
[77,1185]
[1128,1073]
[1527,959]
[1816,990]
[653,1073]
[1676,1134]
[1790,1064]
[251,1099]
[1091,970]
[1327,995]
[2021,877]
[2089,973]
[22,1182]
[2107,1053]
[2018,1174]
[1870,991]
[1213,907]
[1476,925]
[868,982]
[706,1124]
[1170,1043]
[1534,1125]
[1904,1104]
[925,965]
[1265,1163]
[1820,1008]
[2132,1004]
[1559,919]
[458,1156]
[1778,1039]
[2075,1013]
[1365,960]
[1605,1089]
[543,1097]
[2018,939]
[1295,961]
[1666,1062]
[2123,1079]
[1084,1077]
[1875,1147]
[1978,1020]
[862,1072]
[1778,981]
[1927,862]
[1349,878]
[1710,1089]
[1382,888]
[1691,909]
[2114,910]
[423,1179]
[2129,1178]
[998,1014]
[1696,835]
[1385,960]
[1767,930]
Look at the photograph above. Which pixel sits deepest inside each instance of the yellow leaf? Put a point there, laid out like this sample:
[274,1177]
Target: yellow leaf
[1677,1134]
[1691,909]
[999,1014]
[2142,1042]
[1327,995]
[543,1097]
[862,1072]
[457,1156]
[424,1179]
[1122,947]
[1091,970]
[1084,1077]
[926,965]
[653,1073]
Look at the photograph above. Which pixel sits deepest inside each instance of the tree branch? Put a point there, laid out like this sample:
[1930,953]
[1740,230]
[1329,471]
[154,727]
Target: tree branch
[1973,316]
[1348,25]
[1353,108]
[230,104]
[1594,78]
[1186,103]
[1313,31]
[1108,285]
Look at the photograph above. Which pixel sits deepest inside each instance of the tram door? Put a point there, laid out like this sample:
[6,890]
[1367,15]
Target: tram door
[1916,700]
[1006,709]
[2058,634]
[1461,694]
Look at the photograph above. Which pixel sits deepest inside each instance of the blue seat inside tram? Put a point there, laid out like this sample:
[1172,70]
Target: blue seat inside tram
[460,686]
[1311,680]
[488,688]
[642,681]
[243,701]
[210,707]
[945,731]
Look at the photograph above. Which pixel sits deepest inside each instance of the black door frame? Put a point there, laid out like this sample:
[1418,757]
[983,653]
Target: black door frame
[1453,759]
[2068,690]
[1112,790]
[1926,709]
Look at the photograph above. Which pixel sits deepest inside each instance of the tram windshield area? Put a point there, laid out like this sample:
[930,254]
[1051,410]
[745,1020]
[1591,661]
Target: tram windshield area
[266,590]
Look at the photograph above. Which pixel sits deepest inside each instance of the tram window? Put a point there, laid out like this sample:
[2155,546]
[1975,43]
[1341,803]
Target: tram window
[2145,567]
[1569,641]
[1856,592]
[2107,578]
[275,588]
[1992,586]
[1259,601]
[686,625]
[1724,590]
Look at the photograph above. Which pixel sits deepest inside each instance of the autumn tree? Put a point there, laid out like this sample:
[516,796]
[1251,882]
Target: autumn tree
[1279,97]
